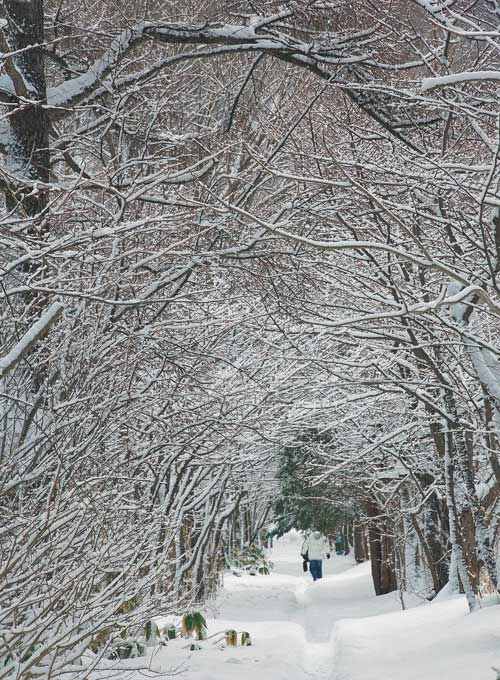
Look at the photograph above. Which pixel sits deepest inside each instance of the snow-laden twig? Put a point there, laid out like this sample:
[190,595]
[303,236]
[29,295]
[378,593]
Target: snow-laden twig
[458,78]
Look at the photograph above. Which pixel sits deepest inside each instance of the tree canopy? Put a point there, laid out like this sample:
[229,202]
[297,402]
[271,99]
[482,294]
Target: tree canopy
[249,259]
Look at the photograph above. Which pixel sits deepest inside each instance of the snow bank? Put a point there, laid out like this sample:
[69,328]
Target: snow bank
[334,629]
[433,642]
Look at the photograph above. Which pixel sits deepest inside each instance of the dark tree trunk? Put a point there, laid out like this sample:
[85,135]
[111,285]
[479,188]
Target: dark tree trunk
[437,526]
[359,543]
[388,578]
[474,525]
[381,553]
[375,541]
[29,120]
[434,567]
[345,536]
[436,534]
[468,535]
[26,183]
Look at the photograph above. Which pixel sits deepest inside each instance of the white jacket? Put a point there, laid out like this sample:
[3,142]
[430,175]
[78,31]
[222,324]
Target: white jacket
[316,548]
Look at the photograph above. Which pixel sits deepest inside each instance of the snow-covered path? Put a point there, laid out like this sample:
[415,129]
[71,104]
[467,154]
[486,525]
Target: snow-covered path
[289,603]
[334,629]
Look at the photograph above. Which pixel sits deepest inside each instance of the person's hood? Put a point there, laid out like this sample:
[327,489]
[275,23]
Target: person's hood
[317,534]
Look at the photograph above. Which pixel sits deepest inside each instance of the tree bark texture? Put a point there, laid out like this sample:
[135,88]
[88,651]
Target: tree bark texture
[381,553]
[359,543]
[29,120]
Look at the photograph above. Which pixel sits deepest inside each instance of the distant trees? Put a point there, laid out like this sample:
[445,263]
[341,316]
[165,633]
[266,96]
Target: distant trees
[298,504]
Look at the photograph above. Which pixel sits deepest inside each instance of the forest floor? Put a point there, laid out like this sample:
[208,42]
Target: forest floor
[334,629]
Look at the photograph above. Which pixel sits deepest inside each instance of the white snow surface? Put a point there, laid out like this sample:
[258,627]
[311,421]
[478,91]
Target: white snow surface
[334,629]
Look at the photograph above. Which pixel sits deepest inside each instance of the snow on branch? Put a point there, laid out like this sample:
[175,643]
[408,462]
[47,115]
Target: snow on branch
[343,49]
[457,78]
[72,90]
[30,338]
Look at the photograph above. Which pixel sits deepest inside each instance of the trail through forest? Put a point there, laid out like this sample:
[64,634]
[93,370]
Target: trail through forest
[336,629]
[305,612]
[249,281]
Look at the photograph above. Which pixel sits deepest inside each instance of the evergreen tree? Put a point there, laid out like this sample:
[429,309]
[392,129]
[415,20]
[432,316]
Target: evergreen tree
[299,504]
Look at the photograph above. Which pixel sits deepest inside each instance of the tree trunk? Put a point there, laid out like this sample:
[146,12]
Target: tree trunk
[388,576]
[345,540]
[456,545]
[359,543]
[381,553]
[29,122]
[439,575]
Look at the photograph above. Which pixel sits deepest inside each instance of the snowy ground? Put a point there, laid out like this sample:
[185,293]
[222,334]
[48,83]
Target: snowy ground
[334,629]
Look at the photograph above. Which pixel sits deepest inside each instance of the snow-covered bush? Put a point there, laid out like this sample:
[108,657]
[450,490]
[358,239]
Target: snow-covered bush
[194,623]
[251,560]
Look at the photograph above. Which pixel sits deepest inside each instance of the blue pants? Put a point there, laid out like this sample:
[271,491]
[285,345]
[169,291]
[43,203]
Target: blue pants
[316,569]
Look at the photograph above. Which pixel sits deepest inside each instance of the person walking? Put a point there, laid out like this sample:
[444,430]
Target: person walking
[314,548]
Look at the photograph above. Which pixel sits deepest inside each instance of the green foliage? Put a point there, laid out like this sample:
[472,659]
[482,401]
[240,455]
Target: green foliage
[300,505]
[194,623]
[7,660]
[128,648]
[171,633]
[12,659]
[121,644]
[152,633]
[246,640]
[251,559]
[117,638]
[231,638]
[124,646]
